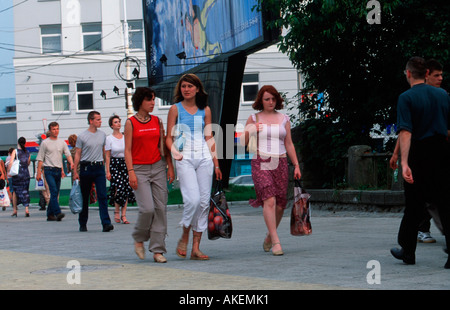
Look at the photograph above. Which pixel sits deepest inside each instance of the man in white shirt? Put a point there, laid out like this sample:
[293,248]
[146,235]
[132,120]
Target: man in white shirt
[50,156]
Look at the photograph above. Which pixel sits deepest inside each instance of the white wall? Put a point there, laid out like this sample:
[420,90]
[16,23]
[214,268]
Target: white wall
[36,72]
[275,69]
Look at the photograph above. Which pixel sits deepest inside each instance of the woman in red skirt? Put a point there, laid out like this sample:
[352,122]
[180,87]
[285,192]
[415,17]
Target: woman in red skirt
[269,163]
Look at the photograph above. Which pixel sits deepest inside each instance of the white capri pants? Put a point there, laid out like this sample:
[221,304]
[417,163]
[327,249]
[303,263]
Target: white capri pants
[195,177]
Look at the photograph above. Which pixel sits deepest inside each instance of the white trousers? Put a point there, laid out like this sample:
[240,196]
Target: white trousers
[195,177]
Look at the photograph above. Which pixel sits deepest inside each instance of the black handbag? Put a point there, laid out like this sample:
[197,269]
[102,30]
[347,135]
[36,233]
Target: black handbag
[219,218]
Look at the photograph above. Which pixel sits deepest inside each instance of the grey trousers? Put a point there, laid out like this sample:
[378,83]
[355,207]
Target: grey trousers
[151,197]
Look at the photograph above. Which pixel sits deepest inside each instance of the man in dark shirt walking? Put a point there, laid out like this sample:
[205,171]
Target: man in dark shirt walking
[423,114]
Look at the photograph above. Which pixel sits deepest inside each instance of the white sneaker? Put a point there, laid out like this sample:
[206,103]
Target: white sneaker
[425,237]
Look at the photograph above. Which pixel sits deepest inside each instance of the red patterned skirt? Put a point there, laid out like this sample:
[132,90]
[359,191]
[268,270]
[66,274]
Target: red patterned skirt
[270,176]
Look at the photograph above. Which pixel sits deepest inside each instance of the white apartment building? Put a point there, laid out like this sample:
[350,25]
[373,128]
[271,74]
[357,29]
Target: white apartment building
[68,55]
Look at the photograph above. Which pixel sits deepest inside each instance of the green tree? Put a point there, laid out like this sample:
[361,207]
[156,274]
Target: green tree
[358,66]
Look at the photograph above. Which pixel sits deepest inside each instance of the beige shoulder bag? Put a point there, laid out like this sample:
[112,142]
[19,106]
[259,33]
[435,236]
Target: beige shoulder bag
[252,145]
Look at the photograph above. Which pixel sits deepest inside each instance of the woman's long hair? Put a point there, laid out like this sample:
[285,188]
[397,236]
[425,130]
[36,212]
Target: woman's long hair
[22,141]
[201,99]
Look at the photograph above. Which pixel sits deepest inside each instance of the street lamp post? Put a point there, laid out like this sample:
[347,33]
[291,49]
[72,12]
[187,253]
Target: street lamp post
[130,111]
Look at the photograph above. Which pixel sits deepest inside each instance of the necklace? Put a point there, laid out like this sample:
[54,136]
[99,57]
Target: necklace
[143,118]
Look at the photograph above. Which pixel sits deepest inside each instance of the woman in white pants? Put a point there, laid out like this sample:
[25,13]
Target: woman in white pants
[196,161]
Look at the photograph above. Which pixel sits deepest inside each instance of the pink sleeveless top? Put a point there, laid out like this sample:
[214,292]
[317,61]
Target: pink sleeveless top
[271,138]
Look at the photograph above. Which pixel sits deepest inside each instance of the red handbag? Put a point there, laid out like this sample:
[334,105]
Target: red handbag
[301,212]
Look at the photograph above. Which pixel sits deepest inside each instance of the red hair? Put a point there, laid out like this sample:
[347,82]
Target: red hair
[258,105]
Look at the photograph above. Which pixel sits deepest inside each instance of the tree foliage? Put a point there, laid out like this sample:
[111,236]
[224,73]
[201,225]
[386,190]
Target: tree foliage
[359,66]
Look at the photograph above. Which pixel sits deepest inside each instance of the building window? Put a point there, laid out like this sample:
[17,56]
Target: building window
[92,37]
[136,34]
[51,39]
[85,96]
[250,87]
[60,94]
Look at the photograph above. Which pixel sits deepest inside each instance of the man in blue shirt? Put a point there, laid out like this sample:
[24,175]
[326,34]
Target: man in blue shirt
[433,78]
[423,114]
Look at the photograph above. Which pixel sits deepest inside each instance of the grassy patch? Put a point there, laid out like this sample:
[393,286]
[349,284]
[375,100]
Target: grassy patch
[233,193]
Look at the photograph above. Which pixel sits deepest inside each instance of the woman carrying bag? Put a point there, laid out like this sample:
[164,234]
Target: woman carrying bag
[21,180]
[196,162]
[269,164]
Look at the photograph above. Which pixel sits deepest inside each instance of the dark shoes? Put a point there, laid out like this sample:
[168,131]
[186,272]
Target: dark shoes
[107,227]
[57,218]
[447,264]
[409,259]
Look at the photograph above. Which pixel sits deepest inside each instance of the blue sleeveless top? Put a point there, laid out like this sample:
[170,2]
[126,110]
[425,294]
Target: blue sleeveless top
[192,125]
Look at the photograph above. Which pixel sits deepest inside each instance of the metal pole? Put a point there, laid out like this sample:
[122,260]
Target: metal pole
[130,110]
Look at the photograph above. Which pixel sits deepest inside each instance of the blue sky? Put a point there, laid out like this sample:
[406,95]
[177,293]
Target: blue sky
[6,56]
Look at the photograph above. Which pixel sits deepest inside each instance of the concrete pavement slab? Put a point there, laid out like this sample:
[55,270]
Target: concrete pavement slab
[346,250]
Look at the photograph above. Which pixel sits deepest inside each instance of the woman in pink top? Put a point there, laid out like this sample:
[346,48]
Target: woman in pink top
[269,164]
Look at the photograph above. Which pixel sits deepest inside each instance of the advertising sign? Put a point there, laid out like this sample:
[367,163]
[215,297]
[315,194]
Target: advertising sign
[183,34]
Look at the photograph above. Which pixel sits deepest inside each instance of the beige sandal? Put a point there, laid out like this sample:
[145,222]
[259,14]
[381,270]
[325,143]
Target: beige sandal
[181,249]
[140,251]
[159,258]
[199,256]
[279,252]
[267,245]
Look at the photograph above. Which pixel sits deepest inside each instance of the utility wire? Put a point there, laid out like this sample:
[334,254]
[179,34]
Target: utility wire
[4,10]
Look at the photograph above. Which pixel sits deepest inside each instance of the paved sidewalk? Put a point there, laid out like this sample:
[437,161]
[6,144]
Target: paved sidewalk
[34,254]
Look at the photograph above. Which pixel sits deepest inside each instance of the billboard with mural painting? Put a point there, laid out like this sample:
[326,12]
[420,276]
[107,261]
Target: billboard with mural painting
[184,34]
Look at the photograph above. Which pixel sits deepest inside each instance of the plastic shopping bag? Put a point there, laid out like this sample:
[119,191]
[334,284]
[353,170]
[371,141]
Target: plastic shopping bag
[301,212]
[4,198]
[76,199]
[219,218]
[40,185]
